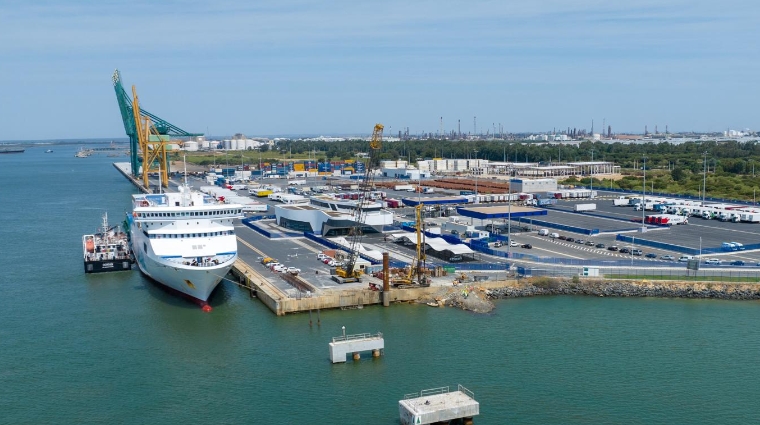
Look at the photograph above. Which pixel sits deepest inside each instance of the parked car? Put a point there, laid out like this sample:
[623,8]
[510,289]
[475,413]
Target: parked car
[668,258]
[562,237]
[570,239]
[685,258]
[321,256]
[455,258]
[600,245]
[279,268]
[293,270]
[651,255]
[625,251]
[712,261]
[514,243]
[498,244]
[580,241]
[637,251]
[327,260]
[526,246]
[589,243]
[612,248]
[737,263]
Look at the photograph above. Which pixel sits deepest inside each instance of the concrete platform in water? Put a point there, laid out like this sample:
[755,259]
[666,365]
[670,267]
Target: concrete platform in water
[355,344]
[438,405]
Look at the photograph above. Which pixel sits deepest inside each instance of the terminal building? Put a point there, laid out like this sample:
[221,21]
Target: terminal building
[328,216]
[402,169]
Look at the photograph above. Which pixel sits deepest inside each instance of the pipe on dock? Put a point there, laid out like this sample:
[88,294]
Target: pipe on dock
[386,280]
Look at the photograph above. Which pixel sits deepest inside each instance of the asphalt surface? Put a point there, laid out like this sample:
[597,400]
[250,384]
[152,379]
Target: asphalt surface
[301,253]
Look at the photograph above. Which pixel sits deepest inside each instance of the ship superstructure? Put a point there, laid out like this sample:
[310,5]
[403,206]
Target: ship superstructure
[184,240]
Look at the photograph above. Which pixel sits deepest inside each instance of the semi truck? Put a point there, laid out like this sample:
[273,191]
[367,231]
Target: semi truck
[584,207]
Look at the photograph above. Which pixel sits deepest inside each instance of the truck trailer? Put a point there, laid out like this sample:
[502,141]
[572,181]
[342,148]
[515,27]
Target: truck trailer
[584,207]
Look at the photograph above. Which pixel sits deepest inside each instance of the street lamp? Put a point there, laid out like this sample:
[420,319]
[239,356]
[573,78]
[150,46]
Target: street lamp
[476,177]
[633,241]
[704,179]
[643,198]
[592,174]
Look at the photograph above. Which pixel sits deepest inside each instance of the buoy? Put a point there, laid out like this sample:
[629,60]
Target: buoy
[206,308]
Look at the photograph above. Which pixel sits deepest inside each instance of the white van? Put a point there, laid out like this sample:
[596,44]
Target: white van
[685,258]
[543,232]
[554,235]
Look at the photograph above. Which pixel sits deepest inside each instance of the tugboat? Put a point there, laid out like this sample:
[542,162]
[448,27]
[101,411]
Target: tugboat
[107,250]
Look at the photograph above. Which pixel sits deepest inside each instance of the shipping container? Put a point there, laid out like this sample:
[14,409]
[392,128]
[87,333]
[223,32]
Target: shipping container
[584,207]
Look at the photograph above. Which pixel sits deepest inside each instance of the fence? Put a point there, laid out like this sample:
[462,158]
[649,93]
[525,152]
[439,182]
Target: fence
[259,217]
[735,275]
[679,248]
[565,227]
[672,195]
[249,222]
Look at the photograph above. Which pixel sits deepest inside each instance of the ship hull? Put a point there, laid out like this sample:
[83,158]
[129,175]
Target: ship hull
[107,266]
[196,283]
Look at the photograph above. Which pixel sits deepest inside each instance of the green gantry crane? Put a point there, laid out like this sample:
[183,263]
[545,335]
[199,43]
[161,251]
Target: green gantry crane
[127,115]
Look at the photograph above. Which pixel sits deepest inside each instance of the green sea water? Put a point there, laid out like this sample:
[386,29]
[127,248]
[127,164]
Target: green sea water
[114,348]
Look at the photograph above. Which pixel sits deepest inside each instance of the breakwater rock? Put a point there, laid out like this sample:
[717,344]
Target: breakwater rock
[600,288]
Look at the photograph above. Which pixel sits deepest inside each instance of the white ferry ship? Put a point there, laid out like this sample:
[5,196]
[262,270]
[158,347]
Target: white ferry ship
[184,240]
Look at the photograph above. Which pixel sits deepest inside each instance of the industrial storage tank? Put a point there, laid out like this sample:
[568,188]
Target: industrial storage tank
[204,144]
[249,144]
[227,144]
[191,146]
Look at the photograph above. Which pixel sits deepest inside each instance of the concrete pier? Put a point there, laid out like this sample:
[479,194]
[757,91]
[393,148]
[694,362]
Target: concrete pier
[438,405]
[341,346]
[126,169]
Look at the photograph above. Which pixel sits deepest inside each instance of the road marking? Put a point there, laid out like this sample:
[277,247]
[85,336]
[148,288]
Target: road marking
[253,248]
[560,253]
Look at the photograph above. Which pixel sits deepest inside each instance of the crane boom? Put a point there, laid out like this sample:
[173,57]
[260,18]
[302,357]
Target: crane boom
[366,186]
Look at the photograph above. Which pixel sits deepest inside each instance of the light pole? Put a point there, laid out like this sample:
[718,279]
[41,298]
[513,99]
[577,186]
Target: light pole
[700,249]
[476,177]
[643,199]
[704,179]
[509,222]
[633,241]
[592,174]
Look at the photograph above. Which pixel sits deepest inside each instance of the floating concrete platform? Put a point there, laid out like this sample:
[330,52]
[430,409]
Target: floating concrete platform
[438,405]
[355,344]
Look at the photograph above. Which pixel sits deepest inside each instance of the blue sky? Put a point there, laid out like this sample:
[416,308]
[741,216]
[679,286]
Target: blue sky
[338,67]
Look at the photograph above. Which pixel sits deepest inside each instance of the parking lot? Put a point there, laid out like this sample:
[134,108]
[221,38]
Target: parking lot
[608,219]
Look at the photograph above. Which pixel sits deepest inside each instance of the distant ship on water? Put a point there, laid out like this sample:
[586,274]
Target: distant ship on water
[11,150]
